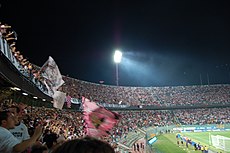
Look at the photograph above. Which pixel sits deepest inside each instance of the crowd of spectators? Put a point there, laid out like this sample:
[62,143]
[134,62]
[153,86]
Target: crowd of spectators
[203,116]
[148,96]
[60,126]
[122,95]
[7,33]
[29,70]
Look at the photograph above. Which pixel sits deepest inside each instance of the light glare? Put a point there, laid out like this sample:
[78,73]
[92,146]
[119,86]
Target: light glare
[25,93]
[117,56]
[15,88]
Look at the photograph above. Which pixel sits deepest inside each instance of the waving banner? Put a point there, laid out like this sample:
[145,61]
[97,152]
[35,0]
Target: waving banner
[98,120]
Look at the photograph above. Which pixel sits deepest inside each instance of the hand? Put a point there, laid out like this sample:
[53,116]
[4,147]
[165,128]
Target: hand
[38,131]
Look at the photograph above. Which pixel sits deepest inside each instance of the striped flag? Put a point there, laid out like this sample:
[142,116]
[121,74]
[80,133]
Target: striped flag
[98,120]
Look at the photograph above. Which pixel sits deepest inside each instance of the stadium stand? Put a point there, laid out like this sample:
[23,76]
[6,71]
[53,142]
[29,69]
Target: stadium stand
[160,106]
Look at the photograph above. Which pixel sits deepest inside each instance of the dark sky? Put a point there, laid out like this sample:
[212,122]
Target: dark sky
[164,42]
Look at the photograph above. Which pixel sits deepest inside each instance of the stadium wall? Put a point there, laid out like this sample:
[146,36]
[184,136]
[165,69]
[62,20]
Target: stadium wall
[152,131]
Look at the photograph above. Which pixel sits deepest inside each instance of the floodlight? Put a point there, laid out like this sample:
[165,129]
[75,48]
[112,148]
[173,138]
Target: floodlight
[117,56]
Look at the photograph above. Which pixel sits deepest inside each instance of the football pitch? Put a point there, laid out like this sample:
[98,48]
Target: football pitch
[167,143]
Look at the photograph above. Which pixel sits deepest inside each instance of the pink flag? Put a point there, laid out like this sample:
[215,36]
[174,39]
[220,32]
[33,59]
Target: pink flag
[98,120]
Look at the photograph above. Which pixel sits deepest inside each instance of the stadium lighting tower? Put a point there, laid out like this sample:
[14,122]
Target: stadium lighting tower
[117,60]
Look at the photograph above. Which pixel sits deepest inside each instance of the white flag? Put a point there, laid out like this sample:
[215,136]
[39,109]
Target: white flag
[52,74]
[59,99]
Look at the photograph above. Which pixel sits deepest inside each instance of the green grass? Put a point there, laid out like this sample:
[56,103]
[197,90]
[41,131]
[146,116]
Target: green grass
[167,143]
[203,137]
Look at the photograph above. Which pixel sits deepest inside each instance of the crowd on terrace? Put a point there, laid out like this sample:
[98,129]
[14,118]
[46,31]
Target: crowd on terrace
[122,95]
[67,125]
[21,62]
[145,96]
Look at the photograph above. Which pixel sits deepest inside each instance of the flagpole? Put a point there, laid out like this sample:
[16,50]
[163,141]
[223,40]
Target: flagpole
[117,81]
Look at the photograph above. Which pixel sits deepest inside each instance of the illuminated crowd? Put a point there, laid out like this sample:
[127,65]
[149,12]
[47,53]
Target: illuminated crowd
[62,125]
[28,69]
[122,95]
[149,96]
[68,124]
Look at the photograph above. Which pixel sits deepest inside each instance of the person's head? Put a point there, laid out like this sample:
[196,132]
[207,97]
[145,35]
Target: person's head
[7,119]
[2,29]
[85,145]
[50,140]
[16,111]
[39,149]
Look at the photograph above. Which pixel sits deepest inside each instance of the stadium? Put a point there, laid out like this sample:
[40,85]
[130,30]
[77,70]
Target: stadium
[151,119]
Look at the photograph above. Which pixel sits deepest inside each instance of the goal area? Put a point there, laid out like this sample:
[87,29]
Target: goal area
[220,142]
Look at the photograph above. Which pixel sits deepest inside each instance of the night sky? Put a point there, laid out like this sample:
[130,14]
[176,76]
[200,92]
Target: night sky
[164,42]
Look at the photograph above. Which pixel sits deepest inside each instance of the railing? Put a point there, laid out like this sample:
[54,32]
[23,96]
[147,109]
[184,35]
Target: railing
[6,51]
